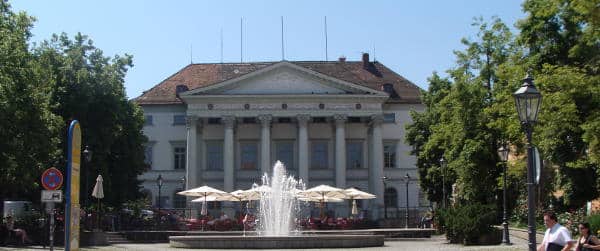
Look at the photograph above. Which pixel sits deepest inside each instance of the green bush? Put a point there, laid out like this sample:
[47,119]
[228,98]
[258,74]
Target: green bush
[465,224]
[594,221]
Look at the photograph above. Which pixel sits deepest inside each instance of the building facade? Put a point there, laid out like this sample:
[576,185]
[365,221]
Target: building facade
[338,123]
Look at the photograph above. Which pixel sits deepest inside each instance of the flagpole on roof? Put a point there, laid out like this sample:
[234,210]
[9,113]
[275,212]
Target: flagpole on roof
[282,45]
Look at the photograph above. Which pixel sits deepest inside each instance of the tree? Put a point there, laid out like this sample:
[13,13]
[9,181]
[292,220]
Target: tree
[562,41]
[454,123]
[89,88]
[28,128]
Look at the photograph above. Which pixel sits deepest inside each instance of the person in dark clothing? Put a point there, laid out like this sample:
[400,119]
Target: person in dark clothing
[587,241]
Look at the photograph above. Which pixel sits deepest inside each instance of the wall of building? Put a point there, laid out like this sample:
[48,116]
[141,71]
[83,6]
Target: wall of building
[163,135]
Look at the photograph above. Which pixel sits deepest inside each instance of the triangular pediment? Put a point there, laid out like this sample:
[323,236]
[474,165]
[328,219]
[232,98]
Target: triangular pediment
[283,78]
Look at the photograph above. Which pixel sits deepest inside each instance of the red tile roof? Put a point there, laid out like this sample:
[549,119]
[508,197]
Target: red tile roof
[199,75]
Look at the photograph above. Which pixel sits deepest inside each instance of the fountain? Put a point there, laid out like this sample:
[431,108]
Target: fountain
[278,205]
[277,213]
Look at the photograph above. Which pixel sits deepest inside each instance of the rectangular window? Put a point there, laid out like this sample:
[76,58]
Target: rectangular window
[148,120]
[389,155]
[249,120]
[148,155]
[179,157]
[285,120]
[214,121]
[319,120]
[249,159]
[354,120]
[284,152]
[319,155]
[389,117]
[164,201]
[179,201]
[179,120]
[214,155]
[354,154]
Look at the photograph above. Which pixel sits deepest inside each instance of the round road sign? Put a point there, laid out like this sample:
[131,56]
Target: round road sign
[52,179]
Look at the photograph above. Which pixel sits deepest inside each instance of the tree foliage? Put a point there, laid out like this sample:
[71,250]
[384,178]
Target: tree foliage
[559,44]
[28,128]
[44,88]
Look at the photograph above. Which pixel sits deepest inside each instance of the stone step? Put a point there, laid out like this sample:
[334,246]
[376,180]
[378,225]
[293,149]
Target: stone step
[116,238]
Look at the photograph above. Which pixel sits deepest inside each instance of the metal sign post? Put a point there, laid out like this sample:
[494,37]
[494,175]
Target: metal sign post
[50,197]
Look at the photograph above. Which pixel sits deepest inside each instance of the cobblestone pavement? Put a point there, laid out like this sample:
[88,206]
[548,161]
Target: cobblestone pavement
[434,243]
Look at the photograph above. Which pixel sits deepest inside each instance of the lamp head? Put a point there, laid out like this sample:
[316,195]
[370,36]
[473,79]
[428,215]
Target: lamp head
[159,181]
[528,100]
[503,153]
[87,154]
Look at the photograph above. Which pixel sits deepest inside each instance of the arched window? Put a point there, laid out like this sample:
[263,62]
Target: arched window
[178,200]
[391,197]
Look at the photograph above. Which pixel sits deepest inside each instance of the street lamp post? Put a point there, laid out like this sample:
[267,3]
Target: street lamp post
[528,100]
[407,177]
[87,155]
[159,183]
[384,179]
[503,154]
[183,189]
[443,165]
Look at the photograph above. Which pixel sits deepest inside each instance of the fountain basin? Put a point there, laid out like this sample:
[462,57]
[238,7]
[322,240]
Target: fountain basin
[276,242]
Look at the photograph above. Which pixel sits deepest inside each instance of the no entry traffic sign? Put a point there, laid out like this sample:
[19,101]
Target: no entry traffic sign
[52,179]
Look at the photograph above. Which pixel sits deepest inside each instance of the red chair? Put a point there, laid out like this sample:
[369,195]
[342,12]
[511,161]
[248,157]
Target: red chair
[331,223]
[312,223]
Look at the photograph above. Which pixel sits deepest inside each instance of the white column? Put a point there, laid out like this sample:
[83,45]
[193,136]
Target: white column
[191,170]
[399,153]
[340,150]
[376,167]
[265,143]
[303,147]
[228,175]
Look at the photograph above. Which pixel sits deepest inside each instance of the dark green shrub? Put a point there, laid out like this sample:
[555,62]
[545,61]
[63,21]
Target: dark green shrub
[465,224]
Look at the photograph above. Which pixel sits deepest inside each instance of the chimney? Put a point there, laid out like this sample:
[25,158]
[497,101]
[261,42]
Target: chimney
[365,60]
[342,59]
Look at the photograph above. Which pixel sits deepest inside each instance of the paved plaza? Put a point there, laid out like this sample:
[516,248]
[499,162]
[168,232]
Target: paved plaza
[435,243]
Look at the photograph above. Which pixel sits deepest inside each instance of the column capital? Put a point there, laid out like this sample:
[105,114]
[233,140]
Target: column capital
[340,119]
[228,121]
[376,120]
[303,119]
[265,119]
[191,120]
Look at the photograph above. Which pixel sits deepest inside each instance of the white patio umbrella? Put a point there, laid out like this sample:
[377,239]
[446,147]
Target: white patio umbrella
[323,191]
[98,193]
[204,192]
[355,194]
[253,193]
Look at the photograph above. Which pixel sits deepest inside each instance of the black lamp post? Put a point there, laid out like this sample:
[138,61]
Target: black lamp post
[159,183]
[407,177]
[384,179]
[183,180]
[87,156]
[443,165]
[528,100]
[503,154]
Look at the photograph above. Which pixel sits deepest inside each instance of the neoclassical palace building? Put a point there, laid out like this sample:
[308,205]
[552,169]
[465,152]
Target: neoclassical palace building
[340,123]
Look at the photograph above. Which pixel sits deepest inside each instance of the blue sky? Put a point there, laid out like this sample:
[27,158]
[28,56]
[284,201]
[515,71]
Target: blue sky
[413,38]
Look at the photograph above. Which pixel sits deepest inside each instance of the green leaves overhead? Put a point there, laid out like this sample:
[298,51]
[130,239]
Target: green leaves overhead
[42,89]
[473,110]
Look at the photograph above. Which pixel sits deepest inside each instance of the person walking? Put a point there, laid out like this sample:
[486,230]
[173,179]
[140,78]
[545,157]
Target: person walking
[556,237]
[587,241]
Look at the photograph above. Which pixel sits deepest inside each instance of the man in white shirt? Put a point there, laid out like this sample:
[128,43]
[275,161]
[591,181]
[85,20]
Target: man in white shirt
[556,237]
